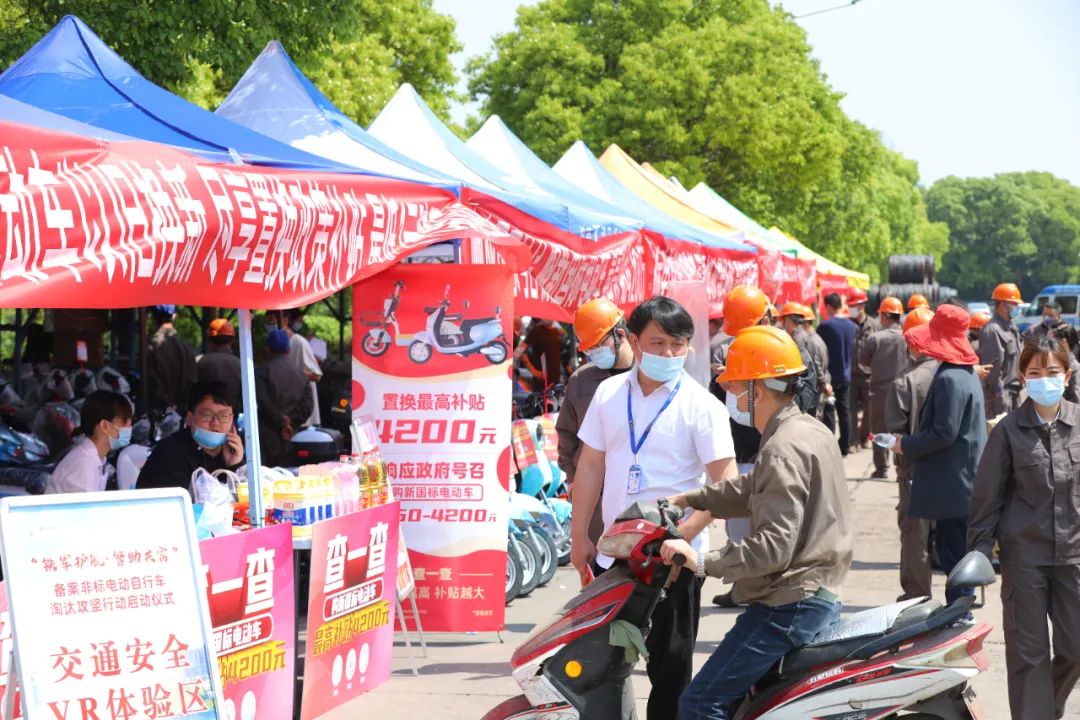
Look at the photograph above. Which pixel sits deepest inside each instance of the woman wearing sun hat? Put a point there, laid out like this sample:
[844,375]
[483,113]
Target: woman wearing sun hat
[946,449]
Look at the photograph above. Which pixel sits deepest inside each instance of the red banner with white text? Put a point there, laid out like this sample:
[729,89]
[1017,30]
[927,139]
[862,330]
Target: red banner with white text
[92,224]
[720,269]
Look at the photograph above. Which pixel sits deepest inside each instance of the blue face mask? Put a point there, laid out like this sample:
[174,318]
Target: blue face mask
[1014,312]
[662,369]
[1046,391]
[1049,321]
[122,440]
[602,357]
[208,438]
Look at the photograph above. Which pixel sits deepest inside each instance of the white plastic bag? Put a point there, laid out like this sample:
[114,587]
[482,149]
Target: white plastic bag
[217,501]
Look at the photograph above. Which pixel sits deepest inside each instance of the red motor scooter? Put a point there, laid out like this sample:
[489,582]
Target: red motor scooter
[911,659]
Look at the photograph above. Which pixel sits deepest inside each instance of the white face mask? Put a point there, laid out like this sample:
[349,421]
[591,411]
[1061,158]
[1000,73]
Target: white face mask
[741,417]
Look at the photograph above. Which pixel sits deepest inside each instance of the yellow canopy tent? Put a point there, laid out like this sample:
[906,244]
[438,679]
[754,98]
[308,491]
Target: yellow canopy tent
[655,190]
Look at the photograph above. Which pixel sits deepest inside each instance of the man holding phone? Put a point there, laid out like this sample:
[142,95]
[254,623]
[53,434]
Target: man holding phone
[208,440]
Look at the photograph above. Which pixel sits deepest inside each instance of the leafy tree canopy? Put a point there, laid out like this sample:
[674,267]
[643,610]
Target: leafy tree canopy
[1013,227]
[724,91]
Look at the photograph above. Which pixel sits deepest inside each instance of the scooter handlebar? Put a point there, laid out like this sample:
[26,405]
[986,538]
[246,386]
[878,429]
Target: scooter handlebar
[678,560]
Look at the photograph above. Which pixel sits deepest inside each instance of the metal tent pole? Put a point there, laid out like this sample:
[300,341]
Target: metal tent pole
[252,454]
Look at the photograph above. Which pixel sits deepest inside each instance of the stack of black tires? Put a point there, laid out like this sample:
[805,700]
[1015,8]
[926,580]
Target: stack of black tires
[909,275]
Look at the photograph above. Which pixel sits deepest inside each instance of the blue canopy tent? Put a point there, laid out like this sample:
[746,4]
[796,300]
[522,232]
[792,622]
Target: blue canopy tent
[580,167]
[277,100]
[498,145]
[72,73]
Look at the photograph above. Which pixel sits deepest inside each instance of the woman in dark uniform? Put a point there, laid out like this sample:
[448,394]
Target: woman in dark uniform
[1027,497]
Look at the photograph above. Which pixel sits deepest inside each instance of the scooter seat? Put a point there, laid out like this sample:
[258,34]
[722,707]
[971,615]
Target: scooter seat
[845,637]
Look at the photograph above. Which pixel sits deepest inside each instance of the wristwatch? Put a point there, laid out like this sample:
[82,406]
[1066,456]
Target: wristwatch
[699,571]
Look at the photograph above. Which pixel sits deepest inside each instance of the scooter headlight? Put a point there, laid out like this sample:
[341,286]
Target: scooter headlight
[619,545]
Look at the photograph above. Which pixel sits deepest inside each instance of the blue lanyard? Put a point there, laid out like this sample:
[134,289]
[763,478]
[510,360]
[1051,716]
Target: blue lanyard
[635,444]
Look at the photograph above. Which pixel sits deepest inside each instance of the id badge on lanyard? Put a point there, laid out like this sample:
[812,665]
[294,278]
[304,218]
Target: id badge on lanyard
[634,477]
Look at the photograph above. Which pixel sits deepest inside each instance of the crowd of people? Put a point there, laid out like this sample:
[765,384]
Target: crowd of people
[205,390]
[764,449]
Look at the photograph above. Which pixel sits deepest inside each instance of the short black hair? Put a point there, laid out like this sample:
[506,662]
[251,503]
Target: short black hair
[213,389]
[956,302]
[669,315]
[1052,306]
[221,340]
[103,405]
[834,301]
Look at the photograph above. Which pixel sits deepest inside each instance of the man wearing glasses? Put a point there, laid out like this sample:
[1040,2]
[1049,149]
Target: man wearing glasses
[208,440]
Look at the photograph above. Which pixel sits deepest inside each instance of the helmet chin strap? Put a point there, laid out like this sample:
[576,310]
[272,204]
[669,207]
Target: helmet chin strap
[750,401]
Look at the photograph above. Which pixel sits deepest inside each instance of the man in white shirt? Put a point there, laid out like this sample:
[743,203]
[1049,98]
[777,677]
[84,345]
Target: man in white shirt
[649,434]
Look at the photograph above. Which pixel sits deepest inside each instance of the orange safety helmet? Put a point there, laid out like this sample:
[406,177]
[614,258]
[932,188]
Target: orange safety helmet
[1007,292]
[220,327]
[918,316]
[917,301]
[762,352]
[808,313]
[891,306]
[978,320]
[857,296]
[792,308]
[744,307]
[594,320]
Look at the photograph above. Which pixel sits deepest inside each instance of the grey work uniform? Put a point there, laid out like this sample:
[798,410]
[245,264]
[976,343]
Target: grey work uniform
[999,347]
[580,389]
[1027,497]
[902,409]
[860,380]
[281,391]
[820,354]
[886,354]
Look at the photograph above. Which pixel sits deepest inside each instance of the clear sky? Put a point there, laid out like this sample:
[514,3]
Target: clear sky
[965,87]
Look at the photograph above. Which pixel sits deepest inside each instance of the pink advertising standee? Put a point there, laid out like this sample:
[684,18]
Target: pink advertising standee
[350,630]
[249,586]
[440,395]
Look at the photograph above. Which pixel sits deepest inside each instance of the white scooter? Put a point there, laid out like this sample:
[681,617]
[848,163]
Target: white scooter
[452,335]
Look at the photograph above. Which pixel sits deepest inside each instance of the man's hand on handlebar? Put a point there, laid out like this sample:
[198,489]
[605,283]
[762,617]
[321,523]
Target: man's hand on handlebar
[672,548]
[678,501]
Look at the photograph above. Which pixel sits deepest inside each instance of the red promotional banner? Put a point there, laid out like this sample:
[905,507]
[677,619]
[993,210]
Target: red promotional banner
[721,270]
[5,651]
[249,583]
[565,270]
[436,379]
[92,224]
[350,632]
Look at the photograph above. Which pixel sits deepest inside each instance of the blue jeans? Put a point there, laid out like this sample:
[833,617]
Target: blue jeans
[761,636]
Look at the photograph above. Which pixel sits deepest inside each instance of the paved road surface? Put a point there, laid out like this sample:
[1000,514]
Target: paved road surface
[464,676]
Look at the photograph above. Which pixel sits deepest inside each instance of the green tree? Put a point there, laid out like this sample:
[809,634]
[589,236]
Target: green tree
[360,49]
[1013,227]
[723,91]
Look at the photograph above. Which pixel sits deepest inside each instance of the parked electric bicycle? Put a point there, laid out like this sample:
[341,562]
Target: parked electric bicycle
[453,335]
[911,657]
[378,339]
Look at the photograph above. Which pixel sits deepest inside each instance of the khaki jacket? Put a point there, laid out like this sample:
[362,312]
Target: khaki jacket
[797,500]
[886,354]
[866,328]
[1027,489]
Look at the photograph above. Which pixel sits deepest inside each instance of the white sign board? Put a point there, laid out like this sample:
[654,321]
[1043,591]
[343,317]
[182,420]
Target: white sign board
[106,602]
